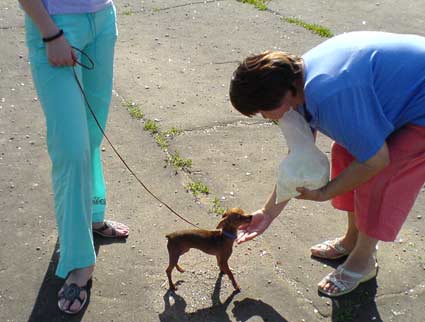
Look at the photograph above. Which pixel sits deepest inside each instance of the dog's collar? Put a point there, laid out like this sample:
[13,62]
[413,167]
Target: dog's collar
[229,235]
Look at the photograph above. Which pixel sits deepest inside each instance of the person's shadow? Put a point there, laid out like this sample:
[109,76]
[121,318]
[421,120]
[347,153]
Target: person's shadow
[357,306]
[46,305]
[242,311]
[248,308]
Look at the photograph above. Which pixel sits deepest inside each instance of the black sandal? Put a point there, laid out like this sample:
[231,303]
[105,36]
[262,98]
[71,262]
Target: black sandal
[71,293]
[108,224]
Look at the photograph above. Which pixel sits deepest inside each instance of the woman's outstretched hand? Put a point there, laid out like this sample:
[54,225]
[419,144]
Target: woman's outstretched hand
[259,223]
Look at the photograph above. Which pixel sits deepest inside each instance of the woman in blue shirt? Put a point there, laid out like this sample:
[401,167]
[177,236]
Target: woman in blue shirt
[366,91]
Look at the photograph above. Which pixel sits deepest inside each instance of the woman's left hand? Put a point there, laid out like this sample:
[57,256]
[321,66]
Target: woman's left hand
[314,195]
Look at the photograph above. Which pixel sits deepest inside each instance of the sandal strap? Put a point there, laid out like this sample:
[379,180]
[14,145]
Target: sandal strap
[354,275]
[340,283]
[335,244]
[343,284]
[107,224]
[72,293]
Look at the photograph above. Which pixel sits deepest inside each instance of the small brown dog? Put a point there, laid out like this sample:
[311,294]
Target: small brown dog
[214,242]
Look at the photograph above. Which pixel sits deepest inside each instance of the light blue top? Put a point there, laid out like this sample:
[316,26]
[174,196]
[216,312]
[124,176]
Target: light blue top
[54,7]
[362,86]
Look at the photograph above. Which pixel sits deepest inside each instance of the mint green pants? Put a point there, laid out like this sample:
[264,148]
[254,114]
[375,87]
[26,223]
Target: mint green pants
[73,137]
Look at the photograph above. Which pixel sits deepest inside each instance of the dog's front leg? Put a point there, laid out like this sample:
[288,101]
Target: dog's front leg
[224,266]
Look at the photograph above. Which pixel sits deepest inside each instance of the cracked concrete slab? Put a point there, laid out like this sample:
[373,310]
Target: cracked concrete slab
[174,59]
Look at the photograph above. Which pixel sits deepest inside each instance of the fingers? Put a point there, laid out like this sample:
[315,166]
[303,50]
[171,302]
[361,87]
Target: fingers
[246,237]
[64,62]
[243,227]
[73,56]
[60,53]
[304,192]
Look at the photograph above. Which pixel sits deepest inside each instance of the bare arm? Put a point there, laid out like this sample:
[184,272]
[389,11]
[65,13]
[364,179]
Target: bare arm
[58,51]
[353,176]
[36,10]
[271,208]
[261,219]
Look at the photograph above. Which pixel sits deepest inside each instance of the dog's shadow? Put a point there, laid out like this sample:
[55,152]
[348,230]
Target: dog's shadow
[242,311]
[45,307]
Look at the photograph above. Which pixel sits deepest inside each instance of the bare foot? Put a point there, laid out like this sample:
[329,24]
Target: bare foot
[347,277]
[79,277]
[112,229]
[333,249]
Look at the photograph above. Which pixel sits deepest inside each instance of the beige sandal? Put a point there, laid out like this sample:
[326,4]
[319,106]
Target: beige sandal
[333,245]
[345,285]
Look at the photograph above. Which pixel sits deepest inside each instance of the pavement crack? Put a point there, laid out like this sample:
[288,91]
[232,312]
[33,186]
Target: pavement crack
[186,5]
[418,289]
[11,27]
[235,124]
[226,62]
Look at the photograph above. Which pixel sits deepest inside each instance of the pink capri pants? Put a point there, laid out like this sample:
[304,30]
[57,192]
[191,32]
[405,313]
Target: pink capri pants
[382,204]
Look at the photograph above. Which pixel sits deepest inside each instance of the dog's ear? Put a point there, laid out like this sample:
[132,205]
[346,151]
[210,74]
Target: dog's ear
[221,223]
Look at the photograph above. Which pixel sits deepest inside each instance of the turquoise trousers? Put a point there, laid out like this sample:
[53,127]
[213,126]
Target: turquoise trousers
[73,137]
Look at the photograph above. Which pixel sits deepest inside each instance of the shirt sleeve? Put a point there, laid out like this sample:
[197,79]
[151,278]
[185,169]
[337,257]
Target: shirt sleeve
[354,118]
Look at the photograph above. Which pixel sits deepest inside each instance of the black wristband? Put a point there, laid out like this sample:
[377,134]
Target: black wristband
[47,39]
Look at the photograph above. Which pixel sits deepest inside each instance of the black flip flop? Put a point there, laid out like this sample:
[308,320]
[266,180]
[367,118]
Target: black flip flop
[108,224]
[71,293]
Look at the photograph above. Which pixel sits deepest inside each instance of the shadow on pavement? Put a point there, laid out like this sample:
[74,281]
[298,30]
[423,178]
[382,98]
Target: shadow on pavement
[242,311]
[46,307]
[357,306]
[247,308]
[334,263]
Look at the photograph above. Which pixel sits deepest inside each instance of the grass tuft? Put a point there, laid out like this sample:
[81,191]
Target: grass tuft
[162,141]
[134,110]
[216,207]
[172,132]
[127,12]
[259,4]
[316,29]
[197,188]
[178,162]
[151,126]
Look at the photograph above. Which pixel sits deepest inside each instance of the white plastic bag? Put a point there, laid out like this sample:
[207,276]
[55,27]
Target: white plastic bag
[305,166]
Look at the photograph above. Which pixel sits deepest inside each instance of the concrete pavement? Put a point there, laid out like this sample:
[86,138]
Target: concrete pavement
[174,60]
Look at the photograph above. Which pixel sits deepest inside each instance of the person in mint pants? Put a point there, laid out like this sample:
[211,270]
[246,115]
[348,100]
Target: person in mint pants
[73,137]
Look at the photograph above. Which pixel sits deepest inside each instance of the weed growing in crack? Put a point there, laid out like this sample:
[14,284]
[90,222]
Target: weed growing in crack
[151,126]
[162,141]
[316,29]
[178,162]
[172,132]
[197,188]
[128,12]
[216,207]
[259,4]
[133,109]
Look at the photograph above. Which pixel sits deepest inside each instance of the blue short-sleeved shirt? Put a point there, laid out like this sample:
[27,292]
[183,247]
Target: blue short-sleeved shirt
[362,86]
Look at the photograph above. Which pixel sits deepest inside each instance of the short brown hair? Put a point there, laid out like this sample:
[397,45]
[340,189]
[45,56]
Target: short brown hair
[261,81]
